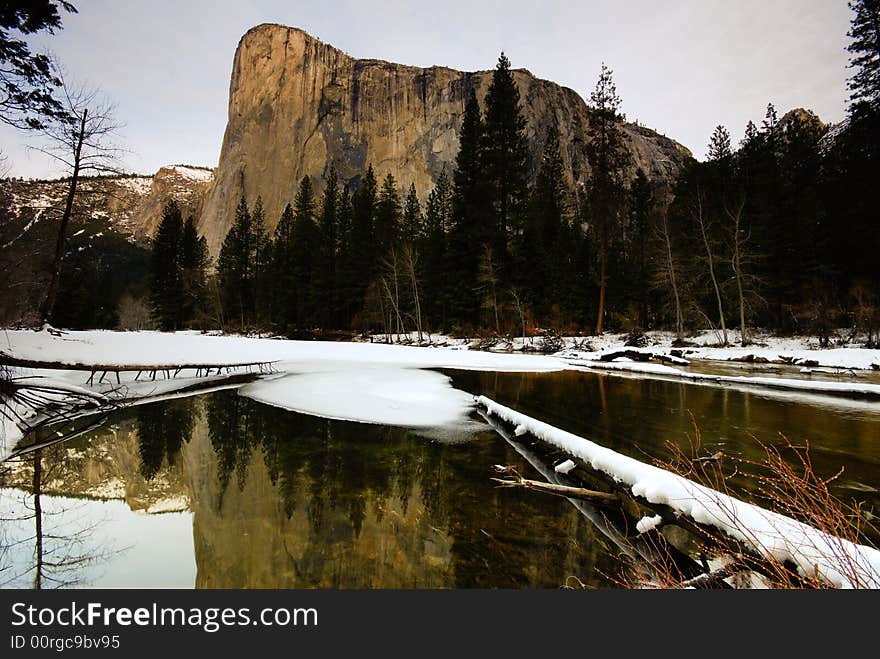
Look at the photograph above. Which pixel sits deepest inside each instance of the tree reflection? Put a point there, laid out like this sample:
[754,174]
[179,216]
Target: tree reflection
[434,518]
[162,429]
[62,541]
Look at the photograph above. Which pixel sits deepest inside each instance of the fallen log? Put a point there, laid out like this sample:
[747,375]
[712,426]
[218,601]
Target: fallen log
[640,356]
[635,355]
[550,488]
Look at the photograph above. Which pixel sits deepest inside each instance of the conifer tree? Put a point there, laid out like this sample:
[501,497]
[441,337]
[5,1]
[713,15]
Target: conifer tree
[608,159]
[304,252]
[545,228]
[167,295]
[719,145]
[235,266]
[283,277]
[505,160]
[471,216]
[262,258]
[194,266]
[865,49]
[326,265]
[345,265]
[365,247]
[438,218]
[388,217]
[412,217]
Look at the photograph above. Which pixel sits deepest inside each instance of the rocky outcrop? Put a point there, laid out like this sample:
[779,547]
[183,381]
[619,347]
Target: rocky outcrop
[187,185]
[297,105]
[132,205]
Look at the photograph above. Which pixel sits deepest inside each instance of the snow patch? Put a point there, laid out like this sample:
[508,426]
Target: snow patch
[648,523]
[564,467]
[382,395]
[176,504]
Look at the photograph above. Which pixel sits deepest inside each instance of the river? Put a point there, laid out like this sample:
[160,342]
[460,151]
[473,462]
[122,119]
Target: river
[219,491]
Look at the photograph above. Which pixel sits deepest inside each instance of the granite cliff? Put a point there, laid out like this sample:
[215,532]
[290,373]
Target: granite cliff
[297,105]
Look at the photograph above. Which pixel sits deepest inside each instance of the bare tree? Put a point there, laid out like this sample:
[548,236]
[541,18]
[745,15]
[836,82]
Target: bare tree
[516,296]
[739,239]
[667,272]
[63,549]
[703,223]
[391,287]
[82,145]
[410,266]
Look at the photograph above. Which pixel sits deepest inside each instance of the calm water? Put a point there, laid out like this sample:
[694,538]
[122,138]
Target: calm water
[217,491]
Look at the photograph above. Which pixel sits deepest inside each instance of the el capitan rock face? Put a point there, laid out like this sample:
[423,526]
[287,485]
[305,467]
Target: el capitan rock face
[297,105]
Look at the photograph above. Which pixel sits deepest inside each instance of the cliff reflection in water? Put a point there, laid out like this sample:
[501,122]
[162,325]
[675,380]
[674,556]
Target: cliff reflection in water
[287,500]
[282,500]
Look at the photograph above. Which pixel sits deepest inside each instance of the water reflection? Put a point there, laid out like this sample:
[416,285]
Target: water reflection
[45,543]
[639,417]
[162,428]
[282,500]
[314,502]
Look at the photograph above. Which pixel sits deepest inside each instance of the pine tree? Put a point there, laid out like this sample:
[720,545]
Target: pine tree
[365,248]
[719,145]
[194,266]
[304,238]
[345,263]
[167,294]
[609,159]
[545,229]
[235,267]
[283,277]
[865,49]
[412,217]
[641,207]
[750,136]
[434,250]
[505,160]
[325,273]
[852,165]
[387,230]
[260,267]
[471,216]
[29,94]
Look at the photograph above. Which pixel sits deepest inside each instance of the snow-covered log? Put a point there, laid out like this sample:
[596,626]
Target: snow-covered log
[771,535]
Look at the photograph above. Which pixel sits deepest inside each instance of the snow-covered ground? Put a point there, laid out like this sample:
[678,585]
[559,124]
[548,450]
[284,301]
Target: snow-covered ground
[840,562]
[765,348]
[353,381]
[202,174]
[847,388]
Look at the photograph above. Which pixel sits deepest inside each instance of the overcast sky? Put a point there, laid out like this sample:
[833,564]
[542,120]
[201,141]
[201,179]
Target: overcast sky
[681,66]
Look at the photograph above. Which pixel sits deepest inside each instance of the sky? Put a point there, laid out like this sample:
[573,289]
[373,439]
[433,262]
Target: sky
[681,67]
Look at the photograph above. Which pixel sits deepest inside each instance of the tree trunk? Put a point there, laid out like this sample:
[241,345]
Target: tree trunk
[737,270]
[52,292]
[37,485]
[712,270]
[603,258]
[415,287]
[670,264]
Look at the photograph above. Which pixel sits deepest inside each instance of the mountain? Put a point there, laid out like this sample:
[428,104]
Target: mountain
[112,217]
[297,105]
[132,204]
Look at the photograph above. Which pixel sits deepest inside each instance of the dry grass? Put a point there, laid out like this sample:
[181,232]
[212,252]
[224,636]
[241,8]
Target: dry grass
[782,480]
